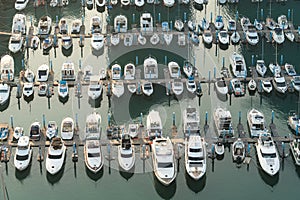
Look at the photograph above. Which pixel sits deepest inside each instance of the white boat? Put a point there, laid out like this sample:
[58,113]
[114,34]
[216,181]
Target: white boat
[219,148]
[194,38]
[150,68]
[222,1]
[4,93]
[221,86]
[191,25]
[120,23]
[7,68]
[245,22]
[235,37]
[129,71]
[126,154]
[231,26]
[289,69]
[52,130]
[181,39]
[18,132]
[125,2]
[62,89]
[270,23]
[237,87]
[55,156]
[203,24]
[141,39]
[44,25]
[294,122]
[188,69]
[283,22]
[169,3]
[95,87]
[289,35]
[114,2]
[195,156]
[223,123]
[256,122]
[139,3]
[174,69]
[296,83]
[258,25]
[295,149]
[128,39]
[178,25]
[163,160]
[47,44]
[21,4]
[238,65]
[67,128]
[251,35]
[116,72]
[93,126]
[133,130]
[277,35]
[28,89]
[65,2]
[100,3]
[131,88]
[63,26]
[15,42]
[66,42]
[223,37]
[53,3]
[191,85]
[93,155]
[275,69]
[267,154]
[97,41]
[153,125]
[207,37]
[146,22]
[168,37]
[115,39]
[68,71]
[42,73]
[29,75]
[19,24]
[23,153]
[42,89]
[261,67]
[118,88]
[154,39]
[280,84]
[191,121]
[96,24]
[147,88]
[219,24]
[35,42]
[252,85]
[76,24]
[35,131]
[238,151]
[177,87]
[267,86]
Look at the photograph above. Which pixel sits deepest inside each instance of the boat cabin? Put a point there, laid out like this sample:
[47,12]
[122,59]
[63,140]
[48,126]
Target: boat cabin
[68,72]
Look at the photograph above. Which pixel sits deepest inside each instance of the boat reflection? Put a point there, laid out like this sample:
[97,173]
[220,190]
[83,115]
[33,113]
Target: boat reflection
[195,186]
[165,192]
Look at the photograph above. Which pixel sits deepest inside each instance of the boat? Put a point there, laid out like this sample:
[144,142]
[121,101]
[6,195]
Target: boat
[174,69]
[261,67]
[275,69]
[203,24]
[89,4]
[67,128]
[63,26]
[35,42]
[66,42]
[223,37]
[4,93]
[35,131]
[238,65]
[280,84]
[128,39]
[194,38]
[169,3]
[47,44]
[163,160]
[181,39]
[153,125]
[29,75]
[96,24]
[289,35]
[125,2]
[270,23]
[191,85]
[52,130]
[252,85]
[115,39]
[207,37]
[100,4]
[55,156]
[223,123]
[256,122]
[44,26]
[177,87]
[277,35]
[267,154]
[93,126]
[283,22]
[15,42]
[62,89]
[289,69]
[231,25]
[150,68]
[68,71]
[129,71]
[188,69]
[139,3]
[195,156]
[116,72]
[267,86]
[23,153]
[18,132]
[258,25]
[295,149]
[120,23]
[219,24]
[53,3]
[42,89]
[235,37]
[76,24]
[42,73]
[198,4]
[251,35]
[179,25]
[102,73]
[95,87]
[245,22]
[114,2]
[65,2]
[296,83]
[118,88]
[126,154]
[141,39]
[237,87]
[191,121]
[19,24]
[222,1]
[147,88]
[191,25]
[93,155]
[131,88]
[219,149]
[221,86]
[21,4]
[154,39]
[97,41]
[133,130]
[28,89]
[3,132]
[238,151]
[293,122]
[146,22]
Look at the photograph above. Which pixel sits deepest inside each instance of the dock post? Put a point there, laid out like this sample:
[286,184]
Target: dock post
[297,129]
[281,59]
[108,119]
[159,18]
[283,147]
[223,62]
[171,25]
[252,60]
[12,121]
[56,20]
[23,64]
[82,19]
[211,15]
[261,14]
[141,118]
[236,15]
[209,76]
[272,119]
[76,121]
[184,17]
[74,155]
[213,151]
[166,60]
[240,117]
[206,117]
[44,121]
[51,68]
[271,37]
[136,60]
[289,15]
[173,118]
[80,64]
[215,72]
[133,18]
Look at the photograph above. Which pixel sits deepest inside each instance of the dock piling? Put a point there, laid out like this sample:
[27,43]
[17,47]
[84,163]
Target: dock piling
[215,72]
[184,17]
[272,118]
[76,121]
[252,60]
[44,121]
[136,60]
[74,154]
[173,118]
[12,121]
[166,60]
[159,18]
[281,59]
[141,118]
[240,117]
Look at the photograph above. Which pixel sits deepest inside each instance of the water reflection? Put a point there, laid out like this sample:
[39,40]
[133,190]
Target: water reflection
[125,174]
[4,106]
[55,178]
[269,180]
[67,52]
[165,192]
[21,175]
[94,176]
[195,186]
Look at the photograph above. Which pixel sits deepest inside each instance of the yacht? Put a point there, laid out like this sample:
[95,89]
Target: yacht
[147,88]
[223,123]
[67,128]
[231,25]
[146,22]
[238,151]
[139,3]
[277,35]
[174,69]
[221,86]
[223,37]
[42,73]
[267,86]
[150,68]
[28,90]
[267,154]
[296,83]
[128,39]
[63,90]
[66,42]
[188,69]
[55,156]
[76,24]
[290,70]
[19,24]
[18,132]
[96,24]
[252,85]
[191,121]
[295,149]
[93,155]
[191,85]
[275,69]
[238,65]
[4,93]
[133,130]
[237,87]
[195,156]
[256,122]
[21,4]
[68,71]
[280,84]
[207,37]
[126,154]
[120,24]
[294,122]
[44,26]
[52,130]
[15,42]
[118,88]
[283,22]
[23,153]
[235,37]
[129,71]
[95,88]
[219,24]
[35,131]
[261,67]
[97,41]
[251,35]
[154,125]
[163,160]
[177,87]
[116,72]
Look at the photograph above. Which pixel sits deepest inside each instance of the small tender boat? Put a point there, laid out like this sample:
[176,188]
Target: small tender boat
[188,69]
[3,132]
[53,3]
[126,154]
[154,39]
[207,37]
[258,25]
[203,24]
[97,41]
[52,130]
[35,131]
[139,3]
[181,39]
[290,70]
[21,4]
[261,67]
[131,88]
[296,83]
[116,72]
[174,69]
[191,25]
[44,25]
[256,122]
[191,85]
[179,25]
[19,24]
[283,22]
[42,73]
[191,121]
[154,125]
[23,153]
[128,39]
[55,156]
[221,86]
[238,151]
[237,87]
[295,149]
[118,88]
[146,22]
[238,65]
[66,42]
[277,35]
[18,132]
[267,86]
[245,22]
[68,71]
[219,24]
[96,24]
[289,35]
[280,84]
[76,24]
[47,44]
[223,37]
[62,89]
[150,68]
[67,128]
[27,90]
[95,88]
[219,149]
[93,155]
[252,85]
[231,25]
[147,88]
[169,3]
[15,42]
[115,39]
[194,38]
[133,130]
[35,42]
[223,123]
[177,87]
[294,122]
[129,71]
[42,90]
[235,37]
[120,23]
[29,75]
[4,93]
[141,39]
[275,69]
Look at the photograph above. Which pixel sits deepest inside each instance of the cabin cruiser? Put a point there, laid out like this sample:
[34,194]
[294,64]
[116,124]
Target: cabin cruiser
[76,24]
[142,39]
[126,154]
[43,89]
[150,68]
[296,83]
[174,69]
[207,37]
[191,85]
[294,122]
[52,130]
[275,69]
[223,123]
[261,67]
[95,88]
[15,42]
[118,88]
[219,148]
[251,35]
[93,155]
[96,24]
[97,41]
[267,86]
[146,22]
[235,37]
[19,24]
[35,131]
[231,25]
[23,153]
[237,87]
[128,39]
[67,128]
[177,87]
[120,24]
[203,24]
[278,35]
[219,24]
[63,90]
[55,156]
[4,93]
[154,125]
[283,22]
[18,132]
[238,65]
[223,37]
[252,85]
[290,70]
[256,122]
[280,84]
[44,26]
[238,151]
[116,72]
[68,71]
[63,26]
[295,149]
[147,88]
[92,126]
[66,42]
[191,121]
[221,86]
[129,71]
[28,90]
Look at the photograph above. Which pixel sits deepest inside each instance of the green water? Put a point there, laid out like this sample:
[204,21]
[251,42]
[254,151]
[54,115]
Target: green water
[223,179]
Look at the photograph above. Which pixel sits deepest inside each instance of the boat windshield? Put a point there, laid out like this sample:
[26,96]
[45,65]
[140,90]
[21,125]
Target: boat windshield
[165,165]
[63,89]
[252,37]
[268,155]
[22,147]
[20,1]
[43,72]
[94,88]
[3,91]
[195,150]
[126,155]
[99,40]
[21,158]
[195,158]
[67,127]
[93,155]
[15,41]
[258,127]
[28,88]
[281,84]
[55,156]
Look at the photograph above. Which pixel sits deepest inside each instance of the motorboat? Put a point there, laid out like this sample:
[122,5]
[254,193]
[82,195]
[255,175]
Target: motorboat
[146,22]
[35,131]
[207,37]
[238,151]
[252,85]
[277,35]
[195,156]
[18,132]
[115,39]
[28,90]
[47,44]
[169,3]
[4,131]
[53,3]
[68,71]
[126,154]
[177,87]
[55,156]
[44,25]
[100,4]
[128,39]
[125,2]
[275,69]
[114,2]
[116,72]
[29,75]
[223,37]
[133,130]
[238,65]
[147,88]
[52,130]
[191,25]
[67,128]
[19,24]
[267,154]
[42,73]
[179,25]
[258,25]
[235,37]
[280,84]
[163,160]
[283,22]
[95,87]
[43,89]
[203,24]
[4,93]
[221,86]
[194,38]
[96,24]
[219,149]
[65,2]
[15,42]
[294,122]
[63,26]
[129,71]
[245,22]
[154,39]
[289,69]
[261,67]
[198,3]
[191,85]
[139,3]
[295,149]
[270,23]
[93,126]
[132,88]
[97,41]
[181,39]
[188,69]
[66,42]
[153,125]
[23,153]
[191,121]
[62,89]
[222,1]
[237,87]
[267,86]
[118,88]
[120,23]
[142,39]
[256,122]
[150,68]
[35,42]
[76,24]
[296,83]
[21,4]
[231,25]
[93,155]
[219,24]
[251,35]
[223,123]
[289,35]
[174,69]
